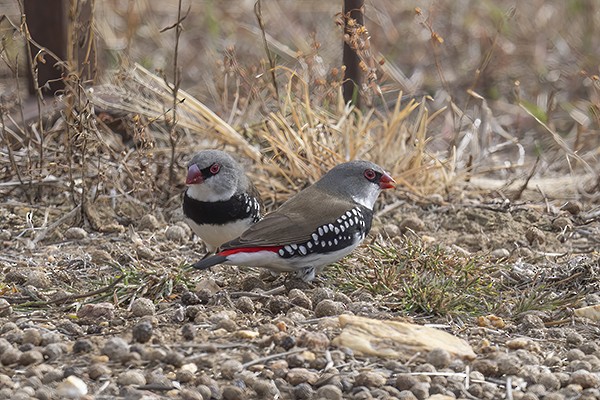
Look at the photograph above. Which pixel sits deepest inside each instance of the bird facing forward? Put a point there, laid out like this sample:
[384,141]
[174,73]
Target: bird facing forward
[220,202]
[316,227]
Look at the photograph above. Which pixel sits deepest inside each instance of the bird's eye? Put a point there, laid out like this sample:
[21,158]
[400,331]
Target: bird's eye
[370,174]
[214,169]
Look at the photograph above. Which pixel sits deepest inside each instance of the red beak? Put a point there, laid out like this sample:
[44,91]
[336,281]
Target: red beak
[386,181]
[194,175]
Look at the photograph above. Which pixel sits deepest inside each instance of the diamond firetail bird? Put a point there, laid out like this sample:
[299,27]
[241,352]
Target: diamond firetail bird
[316,227]
[220,202]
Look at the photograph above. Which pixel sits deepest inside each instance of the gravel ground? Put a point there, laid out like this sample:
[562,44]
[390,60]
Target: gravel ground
[70,328]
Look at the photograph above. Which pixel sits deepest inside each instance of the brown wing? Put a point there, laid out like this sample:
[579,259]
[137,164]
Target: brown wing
[293,222]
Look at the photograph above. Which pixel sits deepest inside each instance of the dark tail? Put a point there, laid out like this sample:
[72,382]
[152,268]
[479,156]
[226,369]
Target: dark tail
[208,262]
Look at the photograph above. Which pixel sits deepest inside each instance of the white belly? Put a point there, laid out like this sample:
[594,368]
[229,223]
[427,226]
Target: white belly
[215,235]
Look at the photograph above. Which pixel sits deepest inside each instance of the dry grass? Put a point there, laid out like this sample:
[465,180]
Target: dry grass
[489,90]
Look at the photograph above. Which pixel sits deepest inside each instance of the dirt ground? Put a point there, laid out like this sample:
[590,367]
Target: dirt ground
[239,333]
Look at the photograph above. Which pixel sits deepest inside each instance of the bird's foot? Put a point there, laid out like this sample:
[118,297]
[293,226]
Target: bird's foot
[307,274]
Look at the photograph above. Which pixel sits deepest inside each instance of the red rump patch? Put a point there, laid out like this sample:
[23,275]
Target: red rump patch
[226,253]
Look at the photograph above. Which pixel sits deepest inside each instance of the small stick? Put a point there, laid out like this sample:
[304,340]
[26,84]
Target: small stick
[271,357]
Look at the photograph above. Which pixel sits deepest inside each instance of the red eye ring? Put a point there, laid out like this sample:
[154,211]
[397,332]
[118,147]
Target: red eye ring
[370,174]
[215,168]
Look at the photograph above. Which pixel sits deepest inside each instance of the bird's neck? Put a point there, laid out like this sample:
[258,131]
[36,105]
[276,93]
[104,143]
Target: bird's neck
[203,192]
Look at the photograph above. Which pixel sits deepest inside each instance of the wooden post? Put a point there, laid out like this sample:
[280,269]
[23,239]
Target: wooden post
[353,9]
[50,26]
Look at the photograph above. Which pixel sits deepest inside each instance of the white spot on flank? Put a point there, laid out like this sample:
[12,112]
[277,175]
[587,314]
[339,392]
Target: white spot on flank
[331,227]
[315,237]
[281,252]
[335,241]
[303,250]
[354,211]
[325,228]
[342,227]
[346,224]
[337,230]
[309,245]
[323,244]
[329,243]
[288,248]
[351,222]
[320,230]
[344,216]
[294,246]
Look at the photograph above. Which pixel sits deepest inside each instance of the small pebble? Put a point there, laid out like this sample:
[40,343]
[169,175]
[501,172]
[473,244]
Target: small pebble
[531,321]
[142,332]
[439,358]
[75,233]
[508,364]
[420,390]
[38,279]
[116,348]
[45,393]
[131,377]
[574,338]
[300,299]
[329,392]
[499,254]
[562,224]
[321,294]
[278,304]
[191,394]
[265,389]
[10,356]
[405,381]
[72,388]
[296,376]
[98,311]
[142,307]
[174,358]
[313,340]
[53,351]
[189,298]
[97,371]
[33,336]
[188,331]
[230,367]
[176,233]
[406,395]
[486,367]
[391,230]
[245,305]
[411,223]
[573,207]
[585,379]
[575,354]
[328,308]
[5,308]
[231,392]
[535,236]
[370,379]
[54,375]
[145,252]
[148,223]
[82,346]
[303,391]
